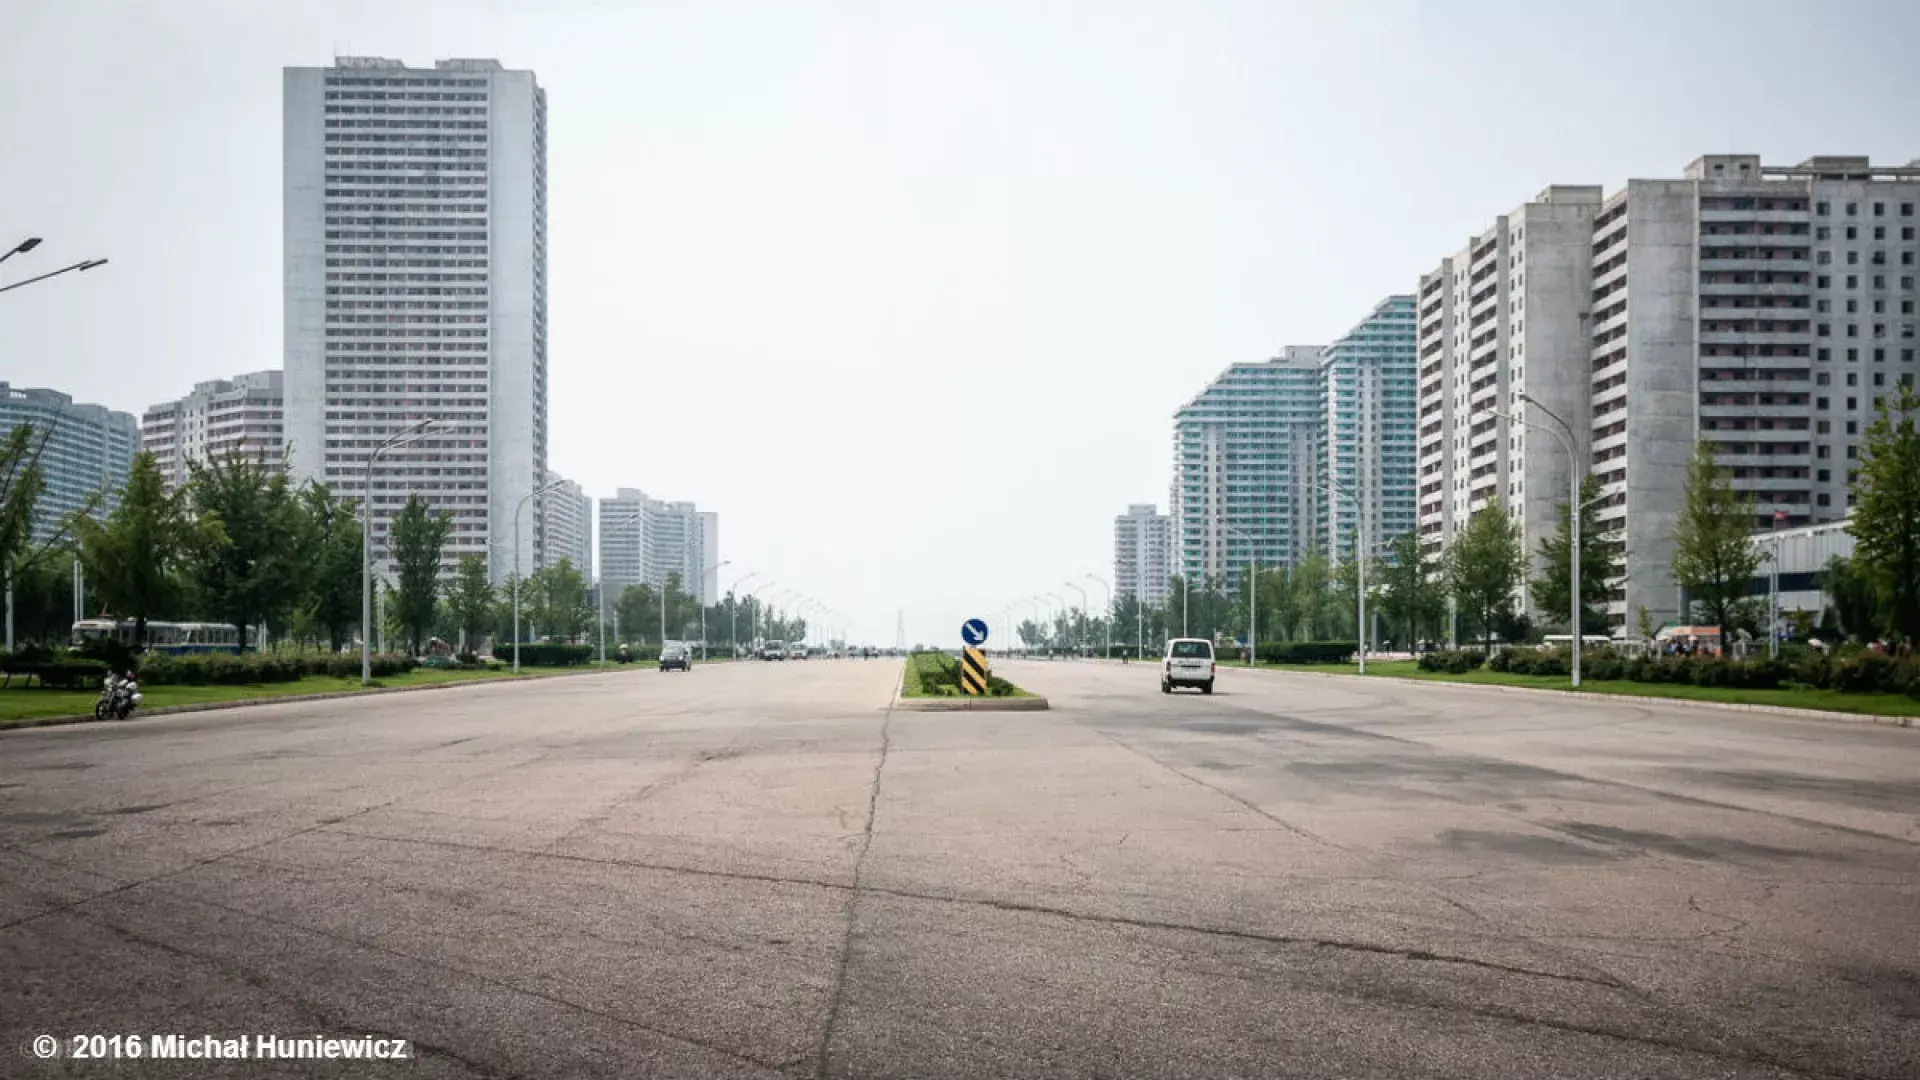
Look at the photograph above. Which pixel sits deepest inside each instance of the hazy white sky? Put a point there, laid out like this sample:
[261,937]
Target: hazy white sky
[908,292]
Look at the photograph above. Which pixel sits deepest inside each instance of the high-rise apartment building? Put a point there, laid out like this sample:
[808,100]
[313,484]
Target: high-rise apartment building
[1502,318]
[567,531]
[1244,467]
[1142,553]
[415,224]
[84,450]
[644,540]
[1365,443]
[1762,309]
[241,415]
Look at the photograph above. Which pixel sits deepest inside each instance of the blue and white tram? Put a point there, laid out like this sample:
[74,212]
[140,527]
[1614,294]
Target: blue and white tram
[176,638]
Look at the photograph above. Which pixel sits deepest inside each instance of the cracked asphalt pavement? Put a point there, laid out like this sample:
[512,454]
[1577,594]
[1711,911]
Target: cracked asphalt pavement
[758,870]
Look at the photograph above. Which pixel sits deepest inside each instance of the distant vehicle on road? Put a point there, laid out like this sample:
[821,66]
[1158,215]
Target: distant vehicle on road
[798,652]
[1189,662]
[773,650]
[675,656]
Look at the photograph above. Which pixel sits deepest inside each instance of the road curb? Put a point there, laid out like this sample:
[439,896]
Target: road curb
[1035,703]
[285,699]
[1584,695]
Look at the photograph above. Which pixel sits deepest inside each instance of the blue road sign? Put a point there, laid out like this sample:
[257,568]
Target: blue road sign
[974,631]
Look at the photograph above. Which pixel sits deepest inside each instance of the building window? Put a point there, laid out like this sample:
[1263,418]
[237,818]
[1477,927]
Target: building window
[1853,282]
[1821,208]
[1879,210]
[1852,209]
[1853,379]
[1825,500]
[1818,403]
[1825,356]
[1853,233]
[1823,258]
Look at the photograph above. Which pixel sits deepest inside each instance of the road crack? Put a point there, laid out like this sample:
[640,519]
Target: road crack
[837,1003]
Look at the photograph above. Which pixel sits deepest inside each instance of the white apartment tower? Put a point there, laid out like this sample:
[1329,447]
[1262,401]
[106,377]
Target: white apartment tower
[1143,553]
[1365,445]
[1505,316]
[644,540]
[222,416]
[415,223]
[1243,453]
[1764,309]
[567,532]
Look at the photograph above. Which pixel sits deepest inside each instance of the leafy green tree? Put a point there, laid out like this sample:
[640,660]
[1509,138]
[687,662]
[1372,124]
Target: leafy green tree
[1312,596]
[471,601]
[334,601]
[1886,511]
[133,559]
[1411,597]
[1643,622]
[417,539]
[1484,566]
[639,612]
[252,551]
[559,594]
[1856,604]
[1553,587]
[1712,559]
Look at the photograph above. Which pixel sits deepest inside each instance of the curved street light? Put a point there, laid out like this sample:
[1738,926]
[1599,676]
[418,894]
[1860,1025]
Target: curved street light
[1109,591]
[600,556]
[517,508]
[413,433]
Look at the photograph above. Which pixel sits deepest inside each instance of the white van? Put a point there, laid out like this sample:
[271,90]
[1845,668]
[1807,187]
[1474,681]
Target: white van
[1189,662]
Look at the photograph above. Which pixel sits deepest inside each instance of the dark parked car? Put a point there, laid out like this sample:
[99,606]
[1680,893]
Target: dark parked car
[676,657]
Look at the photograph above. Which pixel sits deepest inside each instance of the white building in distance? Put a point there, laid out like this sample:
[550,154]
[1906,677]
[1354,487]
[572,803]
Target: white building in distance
[415,220]
[239,415]
[645,540]
[568,528]
[1143,553]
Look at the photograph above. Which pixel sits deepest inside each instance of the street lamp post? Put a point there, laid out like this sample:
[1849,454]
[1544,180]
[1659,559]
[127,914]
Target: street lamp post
[1773,590]
[412,434]
[1574,474]
[1084,605]
[1253,596]
[601,569]
[1360,560]
[1109,592]
[1066,611]
[518,507]
[29,244]
[703,606]
[733,613]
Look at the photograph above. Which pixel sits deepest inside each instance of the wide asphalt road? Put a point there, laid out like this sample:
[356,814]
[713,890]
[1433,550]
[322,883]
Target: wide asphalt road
[758,870]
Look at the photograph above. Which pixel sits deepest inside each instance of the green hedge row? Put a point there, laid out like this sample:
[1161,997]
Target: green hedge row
[540,654]
[68,673]
[1308,652]
[1456,662]
[1863,673]
[220,669]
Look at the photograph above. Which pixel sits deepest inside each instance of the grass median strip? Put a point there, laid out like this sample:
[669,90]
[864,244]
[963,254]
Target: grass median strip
[1792,698]
[17,705]
[937,675]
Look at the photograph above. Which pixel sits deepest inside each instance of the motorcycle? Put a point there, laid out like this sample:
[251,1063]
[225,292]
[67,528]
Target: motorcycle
[118,697]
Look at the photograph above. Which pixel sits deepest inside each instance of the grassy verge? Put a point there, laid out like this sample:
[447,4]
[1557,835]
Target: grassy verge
[932,675]
[17,704]
[1829,700]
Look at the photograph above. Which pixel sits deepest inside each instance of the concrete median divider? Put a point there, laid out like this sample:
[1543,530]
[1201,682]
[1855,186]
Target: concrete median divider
[1027,703]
